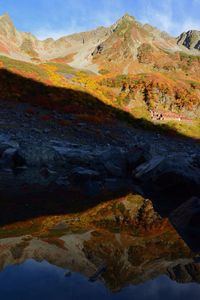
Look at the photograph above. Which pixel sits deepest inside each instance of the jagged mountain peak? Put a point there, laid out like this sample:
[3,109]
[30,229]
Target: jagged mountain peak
[190,39]
[125,24]
[127,17]
[6,16]
[6,19]
[7,28]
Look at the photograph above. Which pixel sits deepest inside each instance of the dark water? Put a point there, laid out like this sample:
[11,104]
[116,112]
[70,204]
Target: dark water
[33,280]
[122,249]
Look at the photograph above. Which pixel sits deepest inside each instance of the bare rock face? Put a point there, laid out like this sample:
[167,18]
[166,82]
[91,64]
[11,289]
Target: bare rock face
[7,27]
[190,39]
[177,172]
[184,273]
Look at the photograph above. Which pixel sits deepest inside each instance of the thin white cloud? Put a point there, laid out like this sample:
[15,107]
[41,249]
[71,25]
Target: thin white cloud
[162,15]
[87,19]
[190,24]
[164,19]
[47,31]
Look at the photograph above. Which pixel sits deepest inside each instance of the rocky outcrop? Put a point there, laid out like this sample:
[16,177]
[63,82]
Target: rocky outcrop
[177,174]
[59,165]
[190,39]
[185,273]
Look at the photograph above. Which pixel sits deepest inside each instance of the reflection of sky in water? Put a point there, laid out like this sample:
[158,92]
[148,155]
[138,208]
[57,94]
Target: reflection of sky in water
[33,280]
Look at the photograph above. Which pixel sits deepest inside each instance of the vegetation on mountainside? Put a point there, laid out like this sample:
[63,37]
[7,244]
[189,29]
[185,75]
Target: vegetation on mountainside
[25,69]
[158,91]
[27,47]
[132,94]
[124,27]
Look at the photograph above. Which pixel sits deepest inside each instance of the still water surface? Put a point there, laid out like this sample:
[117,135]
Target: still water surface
[32,280]
[119,249]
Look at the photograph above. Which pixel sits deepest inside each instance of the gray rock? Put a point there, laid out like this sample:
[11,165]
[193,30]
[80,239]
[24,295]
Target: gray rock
[169,172]
[147,168]
[11,158]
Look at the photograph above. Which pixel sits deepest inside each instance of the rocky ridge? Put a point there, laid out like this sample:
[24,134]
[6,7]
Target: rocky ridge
[126,39]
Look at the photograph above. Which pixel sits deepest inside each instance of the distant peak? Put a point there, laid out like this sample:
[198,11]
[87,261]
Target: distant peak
[127,17]
[127,21]
[5,16]
[190,39]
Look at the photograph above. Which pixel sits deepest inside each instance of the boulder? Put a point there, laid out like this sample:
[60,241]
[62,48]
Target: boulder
[11,158]
[174,173]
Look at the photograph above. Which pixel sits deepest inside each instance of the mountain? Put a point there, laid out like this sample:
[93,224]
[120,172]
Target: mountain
[26,47]
[190,39]
[141,70]
[129,42]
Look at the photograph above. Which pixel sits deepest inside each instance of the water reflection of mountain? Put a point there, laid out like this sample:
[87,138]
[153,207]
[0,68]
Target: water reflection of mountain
[126,236]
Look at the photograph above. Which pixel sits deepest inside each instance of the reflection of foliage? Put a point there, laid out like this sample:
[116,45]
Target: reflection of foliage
[18,250]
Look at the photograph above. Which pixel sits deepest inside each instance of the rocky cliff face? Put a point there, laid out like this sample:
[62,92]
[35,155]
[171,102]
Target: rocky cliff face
[190,40]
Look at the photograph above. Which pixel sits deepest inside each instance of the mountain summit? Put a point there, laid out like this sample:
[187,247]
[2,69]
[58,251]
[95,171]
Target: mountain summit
[127,42]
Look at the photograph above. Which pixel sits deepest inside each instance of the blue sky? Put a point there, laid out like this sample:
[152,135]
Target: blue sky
[56,18]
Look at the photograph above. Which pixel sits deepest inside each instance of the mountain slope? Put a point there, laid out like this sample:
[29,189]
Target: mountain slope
[25,46]
[131,44]
[143,70]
